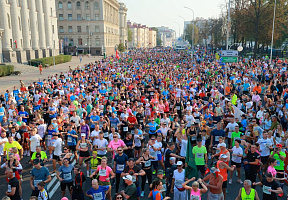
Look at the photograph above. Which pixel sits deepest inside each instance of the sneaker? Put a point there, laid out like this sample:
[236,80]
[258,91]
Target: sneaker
[142,194]
[226,191]
[230,181]
[154,172]
[209,156]
[240,181]
[236,173]
[146,181]
[87,173]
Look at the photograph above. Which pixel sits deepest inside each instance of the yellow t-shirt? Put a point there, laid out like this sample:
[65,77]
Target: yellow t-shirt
[8,146]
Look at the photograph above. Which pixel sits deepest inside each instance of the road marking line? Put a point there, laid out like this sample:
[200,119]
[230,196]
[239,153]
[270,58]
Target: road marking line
[58,183]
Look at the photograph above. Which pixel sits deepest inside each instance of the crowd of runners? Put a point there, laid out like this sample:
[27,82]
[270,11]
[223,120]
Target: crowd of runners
[151,119]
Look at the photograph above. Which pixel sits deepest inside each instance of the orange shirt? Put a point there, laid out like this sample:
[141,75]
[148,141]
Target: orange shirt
[257,89]
[223,172]
[157,196]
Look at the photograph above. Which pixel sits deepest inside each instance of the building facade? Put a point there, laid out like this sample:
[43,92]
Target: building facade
[89,26]
[29,30]
[167,36]
[123,24]
[142,36]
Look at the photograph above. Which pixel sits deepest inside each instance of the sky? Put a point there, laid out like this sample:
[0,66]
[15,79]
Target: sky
[155,13]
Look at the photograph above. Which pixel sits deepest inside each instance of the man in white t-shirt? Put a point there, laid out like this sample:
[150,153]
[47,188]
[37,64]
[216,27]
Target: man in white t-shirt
[34,141]
[3,140]
[189,118]
[265,145]
[95,134]
[165,119]
[231,128]
[57,147]
[101,144]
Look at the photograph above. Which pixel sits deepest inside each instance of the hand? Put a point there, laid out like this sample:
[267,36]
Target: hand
[171,191]
[206,166]
[245,162]
[254,183]
[199,180]
[212,156]
[122,192]
[33,187]
[107,179]
[60,179]
[269,190]
[193,178]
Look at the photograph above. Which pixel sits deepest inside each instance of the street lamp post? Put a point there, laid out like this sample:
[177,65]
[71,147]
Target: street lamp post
[183,28]
[53,43]
[192,33]
[228,26]
[273,31]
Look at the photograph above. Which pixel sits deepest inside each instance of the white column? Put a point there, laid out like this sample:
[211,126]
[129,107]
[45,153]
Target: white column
[48,28]
[26,31]
[33,25]
[41,29]
[17,35]
[7,32]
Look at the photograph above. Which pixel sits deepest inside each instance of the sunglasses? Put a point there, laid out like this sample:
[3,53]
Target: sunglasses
[119,150]
[115,137]
[65,149]
[119,197]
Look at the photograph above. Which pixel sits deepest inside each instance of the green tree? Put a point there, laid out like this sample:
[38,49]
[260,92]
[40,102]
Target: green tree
[129,35]
[121,47]
[158,39]
[189,31]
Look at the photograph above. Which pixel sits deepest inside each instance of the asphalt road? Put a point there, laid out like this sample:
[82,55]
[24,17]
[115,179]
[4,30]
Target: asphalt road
[54,188]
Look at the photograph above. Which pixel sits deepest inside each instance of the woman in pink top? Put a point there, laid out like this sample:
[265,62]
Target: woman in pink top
[195,192]
[115,143]
[272,170]
[104,172]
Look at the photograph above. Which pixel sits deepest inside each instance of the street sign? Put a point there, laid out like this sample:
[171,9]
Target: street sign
[229,53]
[229,59]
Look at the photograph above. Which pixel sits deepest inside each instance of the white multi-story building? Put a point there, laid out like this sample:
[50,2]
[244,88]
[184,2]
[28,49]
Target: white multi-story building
[91,26]
[142,36]
[29,30]
[167,36]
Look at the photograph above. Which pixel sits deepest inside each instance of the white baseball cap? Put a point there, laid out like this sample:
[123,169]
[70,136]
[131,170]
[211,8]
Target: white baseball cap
[222,145]
[179,163]
[128,177]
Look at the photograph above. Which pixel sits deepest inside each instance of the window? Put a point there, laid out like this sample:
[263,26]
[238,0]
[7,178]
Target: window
[8,18]
[87,5]
[87,17]
[87,29]
[19,21]
[80,41]
[70,29]
[61,17]
[97,30]
[61,29]
[97,41]
[97,17]
[11,43]
[79,29]
[53,29]
[79,17]
[70,17]
[71,42]
[69,5]
[78,5]
[60,5]
[96,5]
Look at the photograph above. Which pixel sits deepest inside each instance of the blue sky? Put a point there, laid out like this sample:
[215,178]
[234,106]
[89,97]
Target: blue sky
[166,12]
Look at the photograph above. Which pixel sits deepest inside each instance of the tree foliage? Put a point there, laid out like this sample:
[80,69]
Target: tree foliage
[129,35]
[121,47]
[158,39]
[189,31]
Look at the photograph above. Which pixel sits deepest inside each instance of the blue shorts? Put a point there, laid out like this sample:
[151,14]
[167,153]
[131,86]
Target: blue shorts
[159,156]
[138,191]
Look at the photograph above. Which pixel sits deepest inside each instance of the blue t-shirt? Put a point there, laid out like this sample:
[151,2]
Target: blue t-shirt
[71,141]
[66,173]
[94,118]
[114,121]
[153,126]
[99,193]
[120,162]
[39,176]
[217,133]
[23,114]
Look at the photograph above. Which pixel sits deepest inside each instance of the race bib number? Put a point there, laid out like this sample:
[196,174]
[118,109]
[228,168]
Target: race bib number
[98,196]
[9,188]
[67,176]
[164,188]
[49,137]
[106,134]
[265,189]
[93,170]
[278,163]
[134,179]
[151,93]
[178,183]
[194,197]
[141,120]
[197,121]
[200,155]
[69,139]
[36,182]
[102,172]
[153,153]
[125,128]
[132,132]
[1,113]
[147,163]
[120,168]
[217,138]
[178,107]
[83,145]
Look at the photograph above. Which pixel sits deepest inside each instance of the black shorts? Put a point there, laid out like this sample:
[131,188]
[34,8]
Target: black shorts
[238,165]
[224,185]
[84,154]
[72,148]
[137,148]
[201,168]
[264,159]
[57,158]
[63,186]
[280,175]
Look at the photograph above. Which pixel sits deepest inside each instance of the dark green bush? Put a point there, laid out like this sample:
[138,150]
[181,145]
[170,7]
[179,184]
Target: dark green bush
[49,60]
[6,70]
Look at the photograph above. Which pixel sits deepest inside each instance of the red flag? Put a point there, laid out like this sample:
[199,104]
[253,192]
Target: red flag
[207,171]
[117,55]
[15,43]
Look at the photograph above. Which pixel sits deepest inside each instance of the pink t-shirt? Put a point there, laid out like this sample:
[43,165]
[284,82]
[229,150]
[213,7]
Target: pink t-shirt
[272,170]
[114,145]
[102,170]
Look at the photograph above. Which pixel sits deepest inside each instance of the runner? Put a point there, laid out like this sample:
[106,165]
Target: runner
[177,181]
[66,177]
[215,184]
[195,192]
